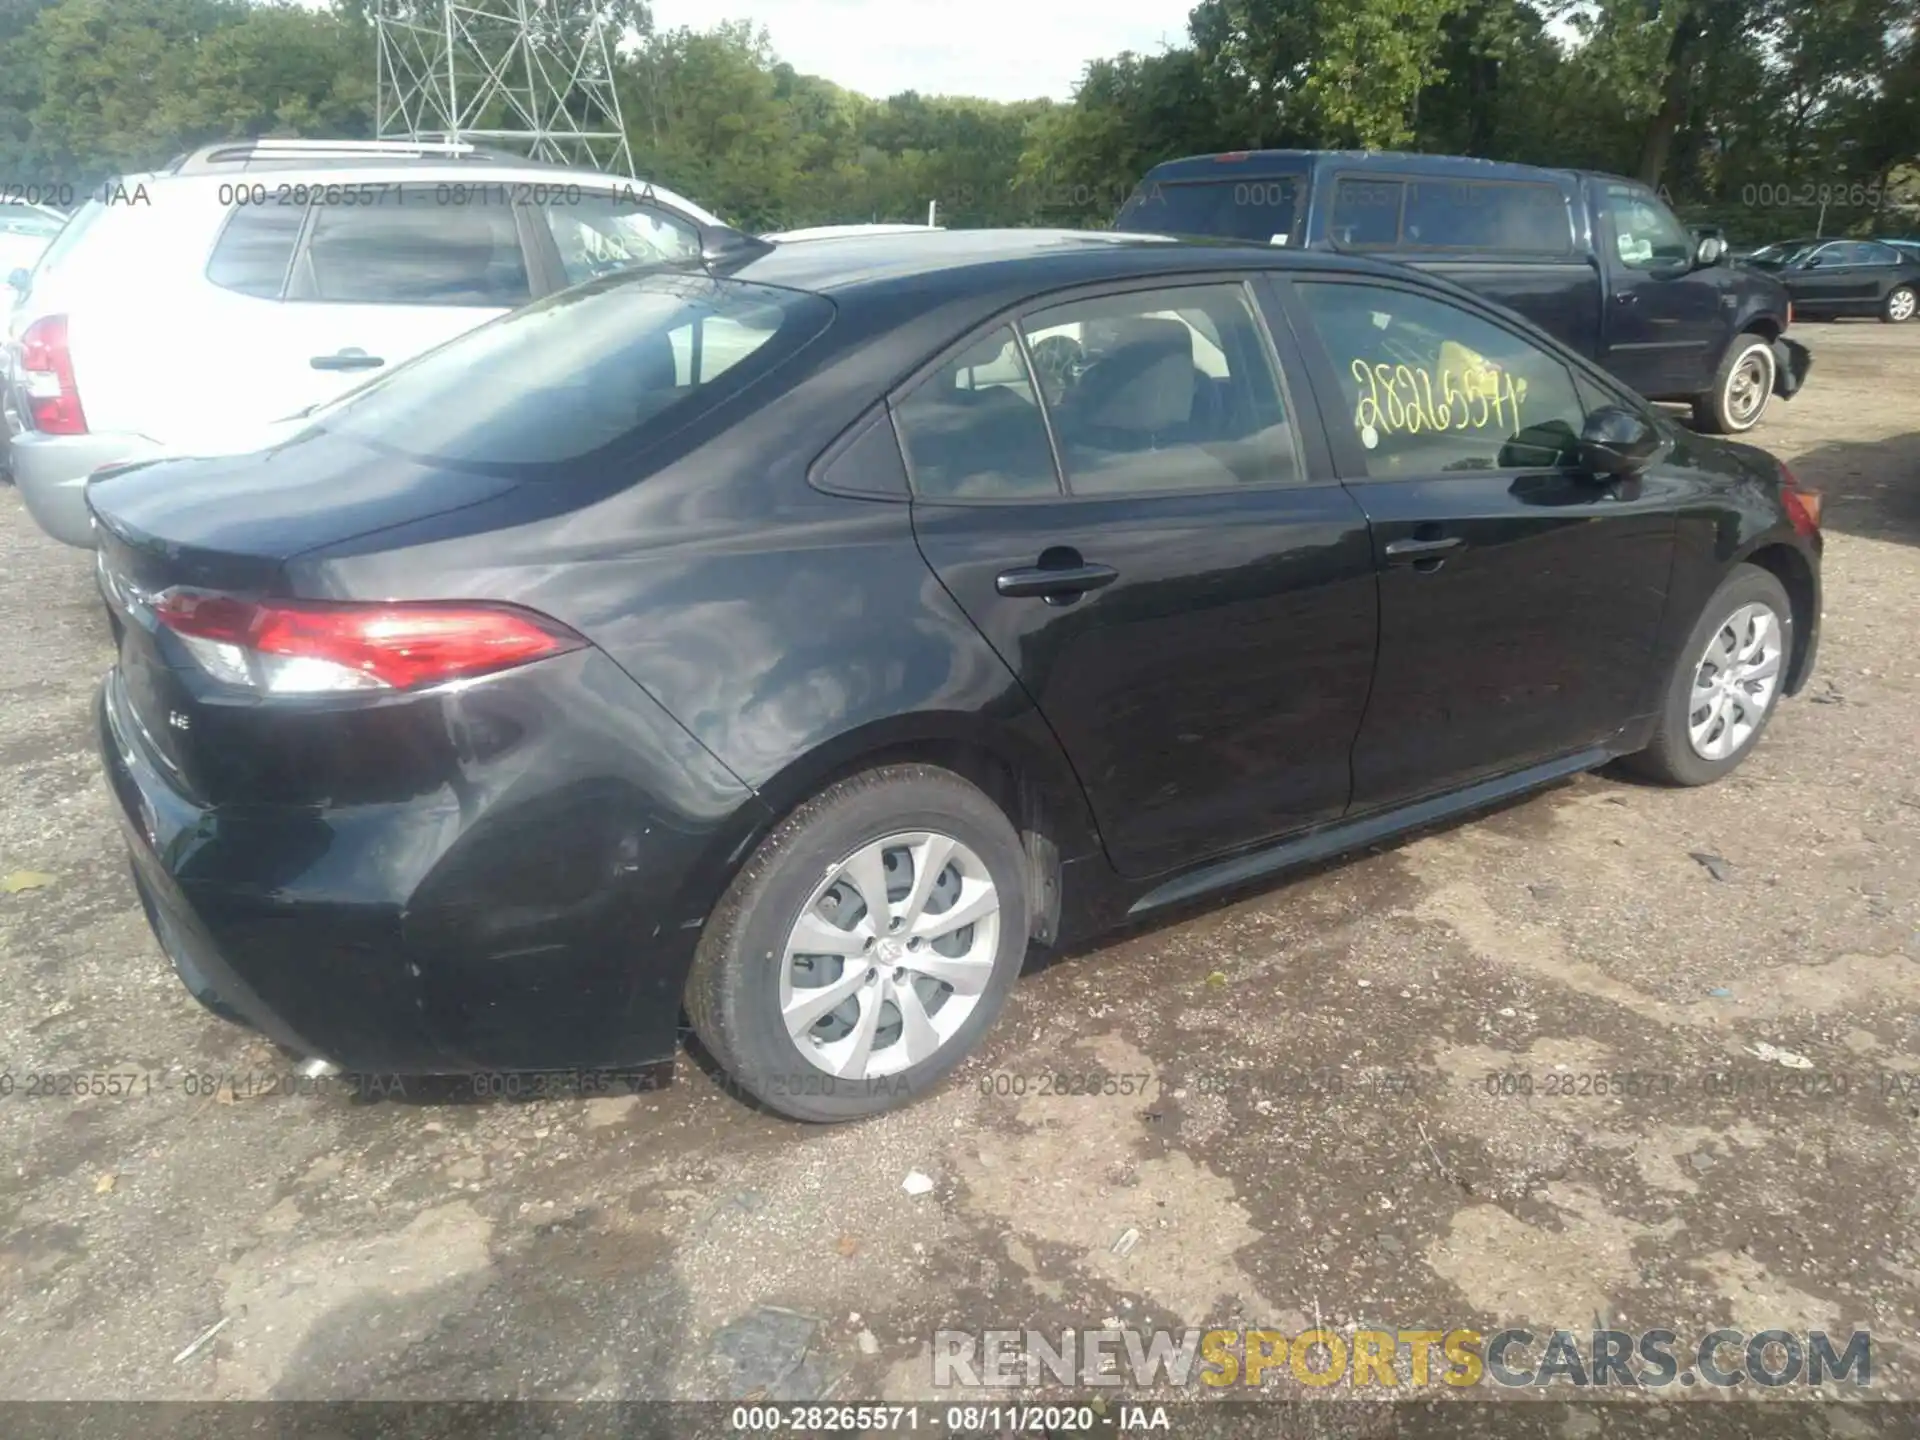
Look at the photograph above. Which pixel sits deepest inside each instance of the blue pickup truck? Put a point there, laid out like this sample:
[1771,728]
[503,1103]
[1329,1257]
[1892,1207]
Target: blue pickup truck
[1597,261]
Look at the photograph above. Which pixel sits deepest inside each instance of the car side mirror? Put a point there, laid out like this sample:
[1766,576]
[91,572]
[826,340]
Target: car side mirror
[1812,262]
[1618,443]
[20,278]
[1709,249]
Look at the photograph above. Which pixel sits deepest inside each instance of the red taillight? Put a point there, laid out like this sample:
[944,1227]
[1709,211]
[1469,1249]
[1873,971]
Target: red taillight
[317,648]
[46,375]
[1803,505]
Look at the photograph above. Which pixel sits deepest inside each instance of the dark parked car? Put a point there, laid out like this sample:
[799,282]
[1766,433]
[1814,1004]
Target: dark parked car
[1845,277]
[1598,262]
[798,641]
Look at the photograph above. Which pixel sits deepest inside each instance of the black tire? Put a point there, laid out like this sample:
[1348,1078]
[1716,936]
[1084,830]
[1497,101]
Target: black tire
[1892,303]
[1714,413]
[732,994]
[1671,757]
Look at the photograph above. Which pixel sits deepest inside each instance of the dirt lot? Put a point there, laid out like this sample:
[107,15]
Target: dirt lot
[1315,1138]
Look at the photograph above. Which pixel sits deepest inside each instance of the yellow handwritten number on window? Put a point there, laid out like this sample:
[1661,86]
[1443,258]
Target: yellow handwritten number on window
[1405,400]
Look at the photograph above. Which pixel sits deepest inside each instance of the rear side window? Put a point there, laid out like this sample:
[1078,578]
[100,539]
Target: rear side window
[973,429]
[1262,209]
[613,365]
[1862,252]
[1500,217]
[256,248]
[415,251]
[1366,214]
[1162,390]
[599,234]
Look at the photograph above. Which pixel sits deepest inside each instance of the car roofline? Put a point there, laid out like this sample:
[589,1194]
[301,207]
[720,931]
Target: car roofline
[387,173]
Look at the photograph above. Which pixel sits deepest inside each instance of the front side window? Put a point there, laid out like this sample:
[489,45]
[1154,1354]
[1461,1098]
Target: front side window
[973,429]
[616,363]
[1430,388]
[414,250]
[1646,236]
[599,234]
[1162,390]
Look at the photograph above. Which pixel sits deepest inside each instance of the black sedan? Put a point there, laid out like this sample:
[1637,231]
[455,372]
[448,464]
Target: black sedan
[1845,277]
[798,640]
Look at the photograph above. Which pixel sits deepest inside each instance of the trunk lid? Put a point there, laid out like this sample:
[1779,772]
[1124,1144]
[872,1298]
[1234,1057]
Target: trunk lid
[259,509]
[231,524]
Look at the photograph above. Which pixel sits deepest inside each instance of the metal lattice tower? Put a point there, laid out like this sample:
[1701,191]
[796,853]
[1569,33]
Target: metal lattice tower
[534,76]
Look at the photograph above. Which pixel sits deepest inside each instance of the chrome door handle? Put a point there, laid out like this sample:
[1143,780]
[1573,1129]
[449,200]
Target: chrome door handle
[1408,552]
[1050,581]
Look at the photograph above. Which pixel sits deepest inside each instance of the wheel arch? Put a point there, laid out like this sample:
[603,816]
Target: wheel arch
[1017,764]
[1794,571]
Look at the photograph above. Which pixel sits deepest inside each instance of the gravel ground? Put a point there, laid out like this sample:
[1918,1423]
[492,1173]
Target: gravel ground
[1313,1138]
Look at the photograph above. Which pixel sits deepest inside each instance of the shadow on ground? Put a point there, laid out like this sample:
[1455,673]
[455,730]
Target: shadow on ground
[1872,488]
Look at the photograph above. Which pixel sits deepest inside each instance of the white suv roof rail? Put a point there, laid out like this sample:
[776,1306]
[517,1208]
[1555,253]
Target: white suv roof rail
[244,153]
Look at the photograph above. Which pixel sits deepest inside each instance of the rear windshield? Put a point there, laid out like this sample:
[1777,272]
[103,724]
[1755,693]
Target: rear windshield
[77,225]
[620,361]
[1262,208]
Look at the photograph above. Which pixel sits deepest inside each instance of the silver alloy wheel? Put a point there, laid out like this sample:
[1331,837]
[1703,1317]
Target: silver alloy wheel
[1735,683]
[1749,386]
[1901,304]
[890,955]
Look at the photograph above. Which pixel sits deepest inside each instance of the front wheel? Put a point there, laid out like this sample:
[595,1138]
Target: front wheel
[1726,683]
[1741,388]
[865,947]
[1900,306]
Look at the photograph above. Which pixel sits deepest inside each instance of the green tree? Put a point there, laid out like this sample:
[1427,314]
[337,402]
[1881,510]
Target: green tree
[1322,72]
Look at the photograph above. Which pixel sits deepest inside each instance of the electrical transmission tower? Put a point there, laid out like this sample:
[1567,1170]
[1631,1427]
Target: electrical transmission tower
[529,75]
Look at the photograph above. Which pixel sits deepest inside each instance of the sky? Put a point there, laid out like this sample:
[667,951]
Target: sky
[998,49]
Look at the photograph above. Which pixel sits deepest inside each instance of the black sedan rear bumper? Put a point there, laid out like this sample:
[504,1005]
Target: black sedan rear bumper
[536,909]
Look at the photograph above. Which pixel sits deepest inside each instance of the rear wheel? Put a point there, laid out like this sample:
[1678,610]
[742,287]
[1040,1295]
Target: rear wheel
[1726,684]
[1742,387]
[1900,305]
[865,947]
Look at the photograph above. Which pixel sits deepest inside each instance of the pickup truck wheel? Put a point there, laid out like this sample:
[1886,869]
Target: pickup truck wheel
[1900,306]
[1741,388]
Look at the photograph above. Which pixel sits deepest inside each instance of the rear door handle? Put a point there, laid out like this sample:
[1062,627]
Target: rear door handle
[1054,582]
[1412,552]
[349,359]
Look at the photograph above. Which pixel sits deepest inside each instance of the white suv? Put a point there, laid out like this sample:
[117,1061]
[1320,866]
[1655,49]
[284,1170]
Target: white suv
[187,310]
